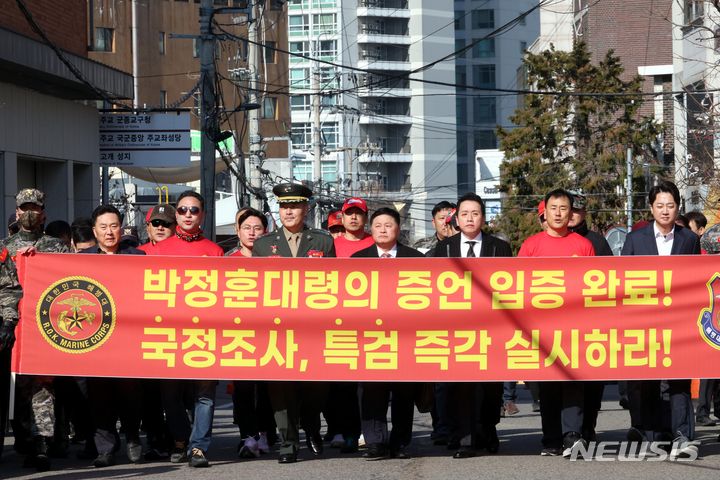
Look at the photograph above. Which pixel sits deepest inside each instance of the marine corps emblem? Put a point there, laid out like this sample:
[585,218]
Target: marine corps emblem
[76,314]
[709,319]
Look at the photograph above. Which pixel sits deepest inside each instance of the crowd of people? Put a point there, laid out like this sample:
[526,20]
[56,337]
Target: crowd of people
[177,415]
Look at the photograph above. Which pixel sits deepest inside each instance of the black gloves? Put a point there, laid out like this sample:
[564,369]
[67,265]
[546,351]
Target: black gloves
[7,335]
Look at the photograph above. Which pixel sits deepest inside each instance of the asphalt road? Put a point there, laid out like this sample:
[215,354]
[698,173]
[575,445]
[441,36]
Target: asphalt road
[518,457]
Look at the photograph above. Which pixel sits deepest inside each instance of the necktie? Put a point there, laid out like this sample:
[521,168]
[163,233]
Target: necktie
[294,243]
[385,255]
[471,248]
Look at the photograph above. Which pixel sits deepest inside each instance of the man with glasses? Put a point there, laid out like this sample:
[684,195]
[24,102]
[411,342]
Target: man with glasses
[188,240]
[160,224]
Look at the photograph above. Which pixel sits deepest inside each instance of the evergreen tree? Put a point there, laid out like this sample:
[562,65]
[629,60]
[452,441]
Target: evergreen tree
[572,141]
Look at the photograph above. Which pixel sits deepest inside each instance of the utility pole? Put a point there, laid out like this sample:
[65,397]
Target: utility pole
[254,114]
[208,121]
[628,190]
[317,141]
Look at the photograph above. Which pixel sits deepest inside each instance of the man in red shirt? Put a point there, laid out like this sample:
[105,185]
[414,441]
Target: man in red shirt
[188,240]
[355,238]
[561,403]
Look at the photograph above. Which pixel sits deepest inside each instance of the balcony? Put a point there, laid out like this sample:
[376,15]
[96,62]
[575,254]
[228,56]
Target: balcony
[383,12]
[383,39]
[386,158]
[380,119]
[380,64]
[382,91]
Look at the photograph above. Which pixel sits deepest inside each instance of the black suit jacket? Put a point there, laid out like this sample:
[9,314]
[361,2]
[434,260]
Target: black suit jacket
[642,242]
[491,247]
[402,251]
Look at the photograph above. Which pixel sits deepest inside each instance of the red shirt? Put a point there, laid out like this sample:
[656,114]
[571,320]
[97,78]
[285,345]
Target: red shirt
[345,247]
[176,246]
[543,245]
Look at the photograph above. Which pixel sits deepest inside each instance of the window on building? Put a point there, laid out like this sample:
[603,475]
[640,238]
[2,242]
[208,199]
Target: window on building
[325,48]
[329,78]
[461,110]
[324,23]
[300,48]
[269,107]
[459,20]
[484,76]
[483,18]
[269,52]
[484,139]
[484,48]
[459,45]
[300,103]
[461,76]
[298,24]
[161,43]
[299,78]
[163,98]
[462,143]
[103,39]
[484,110]
[330,136]
[302,170]
[694,11]
[301,136]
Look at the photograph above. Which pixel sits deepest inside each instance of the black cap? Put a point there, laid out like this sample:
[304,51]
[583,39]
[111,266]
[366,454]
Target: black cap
[292,192]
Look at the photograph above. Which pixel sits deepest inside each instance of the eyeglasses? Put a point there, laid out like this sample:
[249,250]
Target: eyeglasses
[254,228]
[184,210]
[157,222]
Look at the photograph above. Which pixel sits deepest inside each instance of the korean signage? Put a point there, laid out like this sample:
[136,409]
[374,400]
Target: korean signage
[145,140]
[368,319]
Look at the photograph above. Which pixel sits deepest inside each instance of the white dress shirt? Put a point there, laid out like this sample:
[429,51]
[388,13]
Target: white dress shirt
[464,246]
[664,242]
[392,251]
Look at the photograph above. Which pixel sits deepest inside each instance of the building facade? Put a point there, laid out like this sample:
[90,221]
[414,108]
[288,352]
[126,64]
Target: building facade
[49,128]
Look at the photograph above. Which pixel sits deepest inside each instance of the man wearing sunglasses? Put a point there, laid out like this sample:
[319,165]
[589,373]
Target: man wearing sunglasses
[188,240]
[160,224]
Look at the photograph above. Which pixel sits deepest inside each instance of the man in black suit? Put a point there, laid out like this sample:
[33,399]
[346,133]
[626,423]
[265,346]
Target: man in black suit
[385,229]
[648,413]
[475,407]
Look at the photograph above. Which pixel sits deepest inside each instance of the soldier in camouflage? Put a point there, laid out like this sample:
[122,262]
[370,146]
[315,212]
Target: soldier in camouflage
[443,230]
[35,392]
[10,294]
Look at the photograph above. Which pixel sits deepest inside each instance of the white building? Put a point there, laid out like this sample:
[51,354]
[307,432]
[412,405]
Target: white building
[487,180]
[695,70]
[393,137]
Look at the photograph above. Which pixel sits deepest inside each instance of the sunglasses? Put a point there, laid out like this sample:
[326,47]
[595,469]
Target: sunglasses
[157,222]
[184,210]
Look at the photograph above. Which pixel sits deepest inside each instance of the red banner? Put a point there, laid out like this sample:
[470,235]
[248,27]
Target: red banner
[370,319]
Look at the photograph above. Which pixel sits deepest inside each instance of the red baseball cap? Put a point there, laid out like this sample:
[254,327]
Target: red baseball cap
[541,208]
[354,202]
[334,218]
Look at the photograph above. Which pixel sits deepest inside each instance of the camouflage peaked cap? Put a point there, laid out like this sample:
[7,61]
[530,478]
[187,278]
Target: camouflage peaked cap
[30,195]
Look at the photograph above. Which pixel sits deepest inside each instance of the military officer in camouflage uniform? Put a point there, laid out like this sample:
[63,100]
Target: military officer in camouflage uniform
[35,396]
[294,402]
[10,294]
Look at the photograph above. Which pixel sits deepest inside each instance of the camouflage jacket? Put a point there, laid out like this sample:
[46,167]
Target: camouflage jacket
[10,290]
